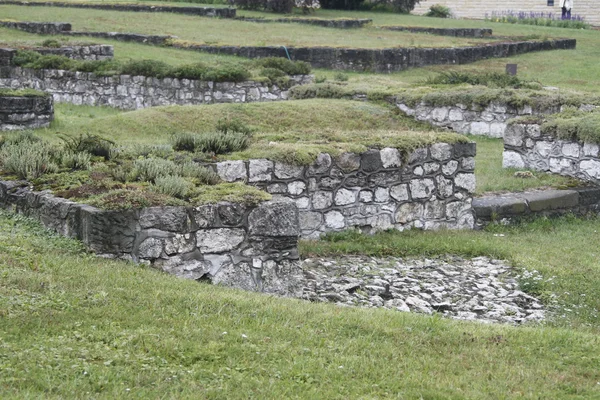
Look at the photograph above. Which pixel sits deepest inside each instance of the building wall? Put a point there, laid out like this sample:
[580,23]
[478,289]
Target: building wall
[589,9]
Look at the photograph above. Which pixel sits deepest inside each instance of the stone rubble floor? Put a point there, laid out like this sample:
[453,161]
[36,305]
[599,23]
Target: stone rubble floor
[478,289]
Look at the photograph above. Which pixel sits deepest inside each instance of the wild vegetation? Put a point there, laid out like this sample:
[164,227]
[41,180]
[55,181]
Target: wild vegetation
[74,325]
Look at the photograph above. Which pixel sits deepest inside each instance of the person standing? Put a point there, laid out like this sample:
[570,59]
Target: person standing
[566,6]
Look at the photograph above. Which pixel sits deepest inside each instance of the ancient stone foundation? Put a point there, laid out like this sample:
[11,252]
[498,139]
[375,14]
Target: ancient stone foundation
[89,52]
[471,119]
[134,92]
[248,247]
[20,112]
[526,147]
[456,32]
[376,190]
[199,11]
[387,60]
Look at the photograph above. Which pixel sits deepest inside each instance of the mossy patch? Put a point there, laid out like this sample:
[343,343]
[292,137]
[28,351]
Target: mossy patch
[22,93]
[482,96]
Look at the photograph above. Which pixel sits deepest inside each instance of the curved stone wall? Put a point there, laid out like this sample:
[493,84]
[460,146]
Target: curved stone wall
[134,92]
[248,247]
[20,112]
[376,190]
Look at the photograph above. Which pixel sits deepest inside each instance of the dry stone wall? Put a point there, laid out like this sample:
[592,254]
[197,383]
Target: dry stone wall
[471,119]
[373,191]
[88,52]
[526,147]
[457,32]
[387,60]
[19,112]
[42,28]
[248,247]
[327,23]
[199,11]
[134,92]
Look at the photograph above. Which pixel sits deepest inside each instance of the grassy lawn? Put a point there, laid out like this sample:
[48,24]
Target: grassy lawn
[301,129]
[215,31]
[73,325]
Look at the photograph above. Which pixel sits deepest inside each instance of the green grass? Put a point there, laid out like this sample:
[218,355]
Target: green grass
[22,93]
[76,326]
[491,177]
[229,32]
[562,250]
[293,131]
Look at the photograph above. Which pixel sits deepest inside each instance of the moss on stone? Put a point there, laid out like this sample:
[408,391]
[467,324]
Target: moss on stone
[231,192]
[22,93]
[481,97]
[573,125]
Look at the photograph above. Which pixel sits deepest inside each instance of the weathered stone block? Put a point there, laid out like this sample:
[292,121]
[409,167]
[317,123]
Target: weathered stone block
[422,188]
[174,219]
[370,160]
[219,240]
[441,151]
[274,219]
[390,158]
[260,170]
[231,171]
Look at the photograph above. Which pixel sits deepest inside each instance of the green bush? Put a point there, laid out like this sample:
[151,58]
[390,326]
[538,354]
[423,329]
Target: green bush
[23,93]
[319,90]
[227,73]
[272,73]
[152,68]
[175,186]
[285,65]
[99,67]
[233,125]
[92,144]
[78,161]
[185,141]
[490,79]
[148,169]
[51,43]
[52,61]
[189,71]
[340,77]
[28,159]
[202,175]
[438,11]
[25,57]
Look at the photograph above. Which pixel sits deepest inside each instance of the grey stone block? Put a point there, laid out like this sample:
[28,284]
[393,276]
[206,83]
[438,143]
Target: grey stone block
[551,199]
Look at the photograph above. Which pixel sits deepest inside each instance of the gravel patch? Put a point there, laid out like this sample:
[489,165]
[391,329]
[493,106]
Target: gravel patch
[479,289]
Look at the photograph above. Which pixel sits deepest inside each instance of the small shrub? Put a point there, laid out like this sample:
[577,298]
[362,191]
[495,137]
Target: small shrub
[249,4]
[28,160]
[272,73]
[320,78]
[438,11]
[152,68]
[233,125]
[100,67]
[92,144]
[25,57]
[203,175]
[190,71]
[321,90]
[491,79]
[227,73]
[52,61]
[149,169]
[340,76]
[75,161]
[285,65]
[51,43]
[280,6]
[185,141]
[221,143]
[175,186]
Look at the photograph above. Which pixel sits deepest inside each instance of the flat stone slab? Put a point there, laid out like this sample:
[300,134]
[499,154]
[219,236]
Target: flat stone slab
[551,199]
[532,202]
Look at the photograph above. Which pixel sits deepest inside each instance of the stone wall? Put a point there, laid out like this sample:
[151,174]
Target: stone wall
[479,8]
[200,11]
[373,191]
[89,52]
[387,60]
[536,203]
[490,121]
[42,28]
[327,23]
[20,112]
[457,32]
[248,247]
[526,147]
[134,92]
[58,28]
